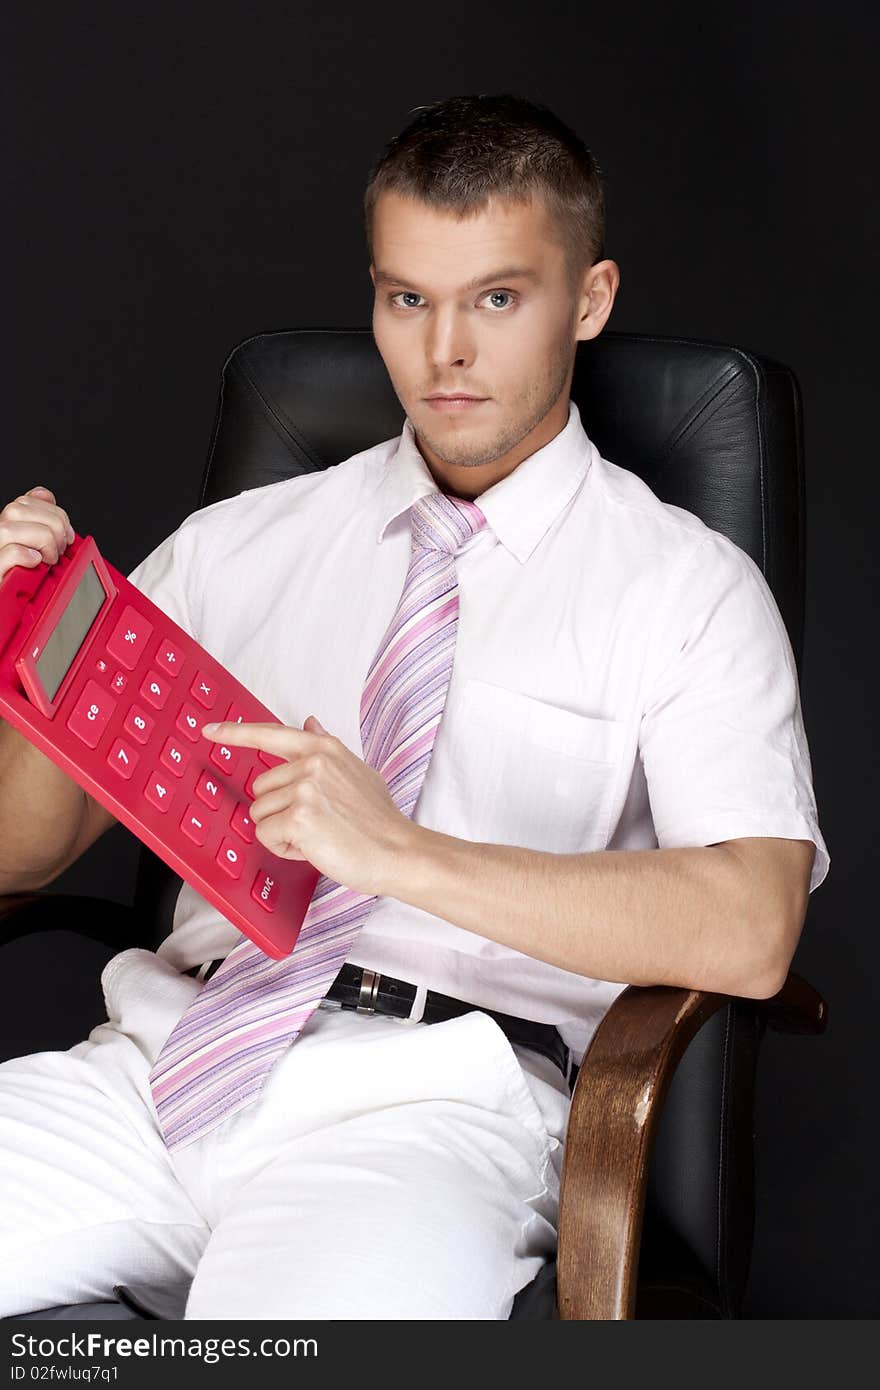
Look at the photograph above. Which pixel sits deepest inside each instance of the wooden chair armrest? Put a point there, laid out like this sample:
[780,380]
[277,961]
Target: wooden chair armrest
[617,1102]
[797,1008]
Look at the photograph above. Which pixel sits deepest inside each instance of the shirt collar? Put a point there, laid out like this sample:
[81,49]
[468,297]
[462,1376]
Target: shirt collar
[520,508]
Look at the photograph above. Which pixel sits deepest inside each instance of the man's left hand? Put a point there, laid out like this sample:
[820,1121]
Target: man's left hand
[322,804]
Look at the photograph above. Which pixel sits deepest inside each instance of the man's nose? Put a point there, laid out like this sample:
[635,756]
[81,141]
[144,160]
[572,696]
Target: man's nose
[450,340]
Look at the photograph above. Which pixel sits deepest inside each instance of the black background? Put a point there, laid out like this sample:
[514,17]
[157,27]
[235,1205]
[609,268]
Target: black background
[180,177]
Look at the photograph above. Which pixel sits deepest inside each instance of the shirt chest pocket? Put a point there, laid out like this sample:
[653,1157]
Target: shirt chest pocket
[533,774]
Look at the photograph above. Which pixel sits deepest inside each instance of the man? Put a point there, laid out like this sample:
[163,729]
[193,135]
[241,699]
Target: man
[618,791]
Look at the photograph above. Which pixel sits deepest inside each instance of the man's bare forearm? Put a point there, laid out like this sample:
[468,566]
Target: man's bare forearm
[688,917]
[41,810]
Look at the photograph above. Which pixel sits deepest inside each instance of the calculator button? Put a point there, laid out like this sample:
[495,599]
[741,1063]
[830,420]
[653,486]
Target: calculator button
[254,773]
[129,638]
[119,682]
[159,792]
[204,690]
[224,756]
[123,757]
[265,890]
[236,714]
[139,724]
[155,689]
[169,657]
[241,823]
[208,789]
[195,824]
[101,666]
[174,757]
[89,716]
[270,759]
[190,721]
[230,857]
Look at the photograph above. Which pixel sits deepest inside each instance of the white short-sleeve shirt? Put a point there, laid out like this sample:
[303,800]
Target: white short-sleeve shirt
[622,680]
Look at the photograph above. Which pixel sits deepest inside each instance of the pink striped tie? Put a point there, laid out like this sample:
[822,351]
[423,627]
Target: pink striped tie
[222,1049]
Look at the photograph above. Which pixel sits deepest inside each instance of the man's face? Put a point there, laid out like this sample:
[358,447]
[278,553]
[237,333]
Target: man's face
[510,341]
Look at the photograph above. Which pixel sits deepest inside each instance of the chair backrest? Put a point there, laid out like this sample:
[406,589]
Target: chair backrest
[709,427]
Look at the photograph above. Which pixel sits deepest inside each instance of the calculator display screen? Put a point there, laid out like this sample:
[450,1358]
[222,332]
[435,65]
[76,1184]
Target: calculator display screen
[70,631]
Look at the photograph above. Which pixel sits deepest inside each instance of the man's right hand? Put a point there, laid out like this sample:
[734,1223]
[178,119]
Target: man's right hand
[33,529]
[46,819]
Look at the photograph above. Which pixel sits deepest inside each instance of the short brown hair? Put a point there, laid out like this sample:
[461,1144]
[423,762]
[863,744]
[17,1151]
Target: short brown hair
[458,153]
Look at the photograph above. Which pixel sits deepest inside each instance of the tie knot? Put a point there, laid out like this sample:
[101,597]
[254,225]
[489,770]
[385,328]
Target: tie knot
[444,523]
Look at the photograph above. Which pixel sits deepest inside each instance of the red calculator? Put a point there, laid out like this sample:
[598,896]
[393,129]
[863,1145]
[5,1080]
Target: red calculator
[114,692]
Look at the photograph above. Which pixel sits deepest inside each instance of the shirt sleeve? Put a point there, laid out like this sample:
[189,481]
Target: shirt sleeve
[173,574]
[722,737]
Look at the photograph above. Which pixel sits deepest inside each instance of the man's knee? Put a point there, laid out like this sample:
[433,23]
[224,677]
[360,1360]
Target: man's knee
[352,1295]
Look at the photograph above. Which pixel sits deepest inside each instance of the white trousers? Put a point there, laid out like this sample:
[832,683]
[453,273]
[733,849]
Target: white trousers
[387,1169]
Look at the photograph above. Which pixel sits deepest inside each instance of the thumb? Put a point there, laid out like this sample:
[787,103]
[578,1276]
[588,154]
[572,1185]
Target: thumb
[316,726]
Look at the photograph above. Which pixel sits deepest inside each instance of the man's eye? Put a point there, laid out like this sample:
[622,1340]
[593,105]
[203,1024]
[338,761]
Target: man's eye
[505,292]
[411,294]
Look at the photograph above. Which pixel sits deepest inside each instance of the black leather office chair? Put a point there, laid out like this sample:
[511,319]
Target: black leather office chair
[657,1205]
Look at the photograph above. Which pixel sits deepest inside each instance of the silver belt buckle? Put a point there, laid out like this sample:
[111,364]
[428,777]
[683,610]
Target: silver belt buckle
[369,989]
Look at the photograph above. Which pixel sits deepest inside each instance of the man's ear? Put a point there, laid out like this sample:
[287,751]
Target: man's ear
[600,292]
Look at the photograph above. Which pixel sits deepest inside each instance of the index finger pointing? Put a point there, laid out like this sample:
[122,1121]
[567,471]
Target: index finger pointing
[271,738]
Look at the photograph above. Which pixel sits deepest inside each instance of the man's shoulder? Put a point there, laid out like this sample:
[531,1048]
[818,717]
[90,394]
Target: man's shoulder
[634,504]
[658,527]
[345,484]
[657,538]
[654,541]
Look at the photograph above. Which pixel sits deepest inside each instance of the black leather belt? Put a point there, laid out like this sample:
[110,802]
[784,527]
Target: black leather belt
[356,987]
